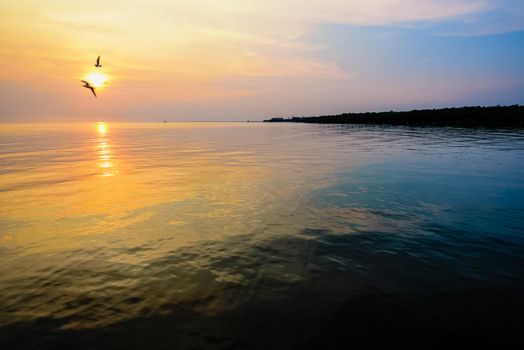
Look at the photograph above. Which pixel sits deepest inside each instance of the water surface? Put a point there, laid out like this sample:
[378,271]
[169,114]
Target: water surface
[251,235]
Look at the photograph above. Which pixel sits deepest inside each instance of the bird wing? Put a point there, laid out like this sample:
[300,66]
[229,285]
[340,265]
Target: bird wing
[85,82]
[93,91]
[98,60]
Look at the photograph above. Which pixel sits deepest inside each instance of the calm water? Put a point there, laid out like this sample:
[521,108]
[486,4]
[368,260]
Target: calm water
[264,236]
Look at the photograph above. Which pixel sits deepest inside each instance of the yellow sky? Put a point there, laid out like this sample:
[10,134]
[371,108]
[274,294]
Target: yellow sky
[160,52]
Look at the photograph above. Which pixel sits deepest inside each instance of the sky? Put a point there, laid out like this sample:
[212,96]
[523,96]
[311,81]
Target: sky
[210,60]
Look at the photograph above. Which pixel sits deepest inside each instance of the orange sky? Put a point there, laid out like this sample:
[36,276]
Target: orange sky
[192,60]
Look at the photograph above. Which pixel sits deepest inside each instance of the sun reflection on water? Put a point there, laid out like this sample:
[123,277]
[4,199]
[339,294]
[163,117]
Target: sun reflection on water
[102,128]
[105,160]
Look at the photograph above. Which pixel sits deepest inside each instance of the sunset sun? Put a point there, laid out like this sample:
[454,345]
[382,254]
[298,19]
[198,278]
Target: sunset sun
[96,79]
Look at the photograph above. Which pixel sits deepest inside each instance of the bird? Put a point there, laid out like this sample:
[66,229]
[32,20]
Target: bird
[98,62]
[86,85]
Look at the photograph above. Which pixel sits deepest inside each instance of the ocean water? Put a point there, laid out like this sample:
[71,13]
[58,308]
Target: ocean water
[259,236]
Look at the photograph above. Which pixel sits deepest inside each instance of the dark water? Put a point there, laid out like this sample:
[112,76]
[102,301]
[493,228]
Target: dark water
[257,236]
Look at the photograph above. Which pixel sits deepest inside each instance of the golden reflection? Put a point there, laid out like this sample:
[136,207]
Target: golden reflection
[180,191]
[102,128]
[104,151]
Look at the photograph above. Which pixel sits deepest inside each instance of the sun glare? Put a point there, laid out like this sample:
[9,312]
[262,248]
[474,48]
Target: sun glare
[96,79]
[102,128]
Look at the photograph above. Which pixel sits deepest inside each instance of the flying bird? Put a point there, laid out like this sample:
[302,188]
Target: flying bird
[98,62]
[86,85]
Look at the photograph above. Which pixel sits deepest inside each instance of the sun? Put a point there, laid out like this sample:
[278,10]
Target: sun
[96,80]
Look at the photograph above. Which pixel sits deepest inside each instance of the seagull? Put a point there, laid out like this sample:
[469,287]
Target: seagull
[98,62]
[86,85]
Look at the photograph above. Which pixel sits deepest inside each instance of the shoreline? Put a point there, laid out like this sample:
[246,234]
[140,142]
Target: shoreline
[468,117]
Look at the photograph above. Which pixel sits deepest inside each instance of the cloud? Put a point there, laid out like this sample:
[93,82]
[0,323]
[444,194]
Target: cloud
[159,51]
[217,35]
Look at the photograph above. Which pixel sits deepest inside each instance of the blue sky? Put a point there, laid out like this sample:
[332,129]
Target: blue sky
[461,69]
[239,60]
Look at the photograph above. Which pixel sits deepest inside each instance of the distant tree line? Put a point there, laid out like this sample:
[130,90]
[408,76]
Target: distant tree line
[496,116]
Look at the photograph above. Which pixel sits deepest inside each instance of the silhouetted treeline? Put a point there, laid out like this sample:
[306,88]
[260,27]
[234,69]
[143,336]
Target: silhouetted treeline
[497,116]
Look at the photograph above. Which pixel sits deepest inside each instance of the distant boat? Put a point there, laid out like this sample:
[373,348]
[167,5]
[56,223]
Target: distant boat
[98,62]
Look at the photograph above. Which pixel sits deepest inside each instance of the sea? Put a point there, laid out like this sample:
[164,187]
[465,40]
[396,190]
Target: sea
[260,236]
